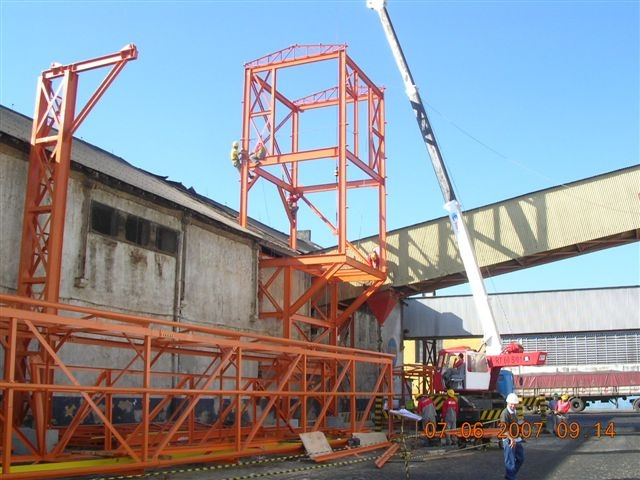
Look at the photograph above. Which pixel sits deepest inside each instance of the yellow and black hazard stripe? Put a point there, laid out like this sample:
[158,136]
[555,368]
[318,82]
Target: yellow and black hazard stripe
[257,474]
[493,414]
[528,402]
[534,403]
[438,401]
[379,414]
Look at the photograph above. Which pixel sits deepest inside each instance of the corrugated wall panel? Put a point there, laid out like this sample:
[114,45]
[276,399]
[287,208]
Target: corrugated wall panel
[593,348]
[600,309]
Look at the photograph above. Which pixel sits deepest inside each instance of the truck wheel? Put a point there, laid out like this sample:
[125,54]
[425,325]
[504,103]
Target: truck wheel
[577,404]
[636,404]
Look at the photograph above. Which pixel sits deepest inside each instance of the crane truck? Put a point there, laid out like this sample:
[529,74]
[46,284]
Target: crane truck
[481,368]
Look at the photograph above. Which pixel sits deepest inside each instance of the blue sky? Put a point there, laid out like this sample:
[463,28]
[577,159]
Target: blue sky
[522,95]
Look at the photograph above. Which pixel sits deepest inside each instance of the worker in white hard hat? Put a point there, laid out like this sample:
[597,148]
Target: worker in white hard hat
[512,442]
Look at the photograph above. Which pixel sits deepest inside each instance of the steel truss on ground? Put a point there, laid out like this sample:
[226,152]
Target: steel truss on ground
[236,395]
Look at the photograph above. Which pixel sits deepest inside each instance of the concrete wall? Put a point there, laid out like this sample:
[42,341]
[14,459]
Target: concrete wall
[13,174]
[109,273]
[219,285]
[210,280]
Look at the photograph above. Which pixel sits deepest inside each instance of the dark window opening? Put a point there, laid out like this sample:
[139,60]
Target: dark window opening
[137,230]
[103,219]
[166,240]
[115,223]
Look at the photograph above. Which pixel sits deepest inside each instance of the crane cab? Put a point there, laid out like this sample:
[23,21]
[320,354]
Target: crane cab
[463,369]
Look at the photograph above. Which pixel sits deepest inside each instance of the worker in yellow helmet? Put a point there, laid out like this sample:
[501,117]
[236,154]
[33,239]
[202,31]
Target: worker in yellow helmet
[562,411]
[237,157]
[449,414]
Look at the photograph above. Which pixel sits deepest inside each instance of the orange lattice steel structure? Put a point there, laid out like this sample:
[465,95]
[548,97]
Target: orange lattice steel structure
[276,118]
[249,377]
[54,123]
[125,406]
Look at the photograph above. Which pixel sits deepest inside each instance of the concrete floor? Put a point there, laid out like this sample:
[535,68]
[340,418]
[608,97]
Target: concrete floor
[615,457]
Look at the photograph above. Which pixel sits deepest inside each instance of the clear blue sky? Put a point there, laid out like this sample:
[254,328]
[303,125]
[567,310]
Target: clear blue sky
[522,95]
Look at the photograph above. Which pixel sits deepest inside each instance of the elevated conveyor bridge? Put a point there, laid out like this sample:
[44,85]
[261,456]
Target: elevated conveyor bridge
[533,229]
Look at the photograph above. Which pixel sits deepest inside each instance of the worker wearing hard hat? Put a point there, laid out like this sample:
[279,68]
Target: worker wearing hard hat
[512,442]
[427,410]
[562,411]
[449,414]
[258,153]
[237,157]
[374,258]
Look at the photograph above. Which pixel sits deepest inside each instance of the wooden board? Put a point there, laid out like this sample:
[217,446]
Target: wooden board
[315,443]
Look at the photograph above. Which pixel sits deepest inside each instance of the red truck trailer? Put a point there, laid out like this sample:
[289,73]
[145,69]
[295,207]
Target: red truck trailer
[582,387]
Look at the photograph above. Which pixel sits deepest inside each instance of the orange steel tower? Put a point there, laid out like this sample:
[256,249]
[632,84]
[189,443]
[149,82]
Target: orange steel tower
[54,123]
[281,112]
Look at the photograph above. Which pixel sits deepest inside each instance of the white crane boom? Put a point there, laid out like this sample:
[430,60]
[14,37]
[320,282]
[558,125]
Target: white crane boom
[491,337]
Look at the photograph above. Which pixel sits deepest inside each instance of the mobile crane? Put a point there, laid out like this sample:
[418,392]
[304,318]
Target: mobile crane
[481,368]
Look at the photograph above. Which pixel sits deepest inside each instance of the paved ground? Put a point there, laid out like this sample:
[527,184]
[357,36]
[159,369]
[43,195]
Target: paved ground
[615,456]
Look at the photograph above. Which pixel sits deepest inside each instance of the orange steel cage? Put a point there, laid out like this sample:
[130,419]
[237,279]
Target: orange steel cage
[153,393]
[415,379]
[276,109]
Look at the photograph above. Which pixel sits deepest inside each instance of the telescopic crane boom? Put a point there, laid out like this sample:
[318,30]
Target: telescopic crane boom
[496,356]
[491,338]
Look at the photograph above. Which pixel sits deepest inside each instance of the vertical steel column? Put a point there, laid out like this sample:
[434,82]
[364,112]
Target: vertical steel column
[342,153]
[54,124]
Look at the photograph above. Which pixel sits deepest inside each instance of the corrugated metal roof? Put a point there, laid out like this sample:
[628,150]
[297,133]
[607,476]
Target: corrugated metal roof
[620,347]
